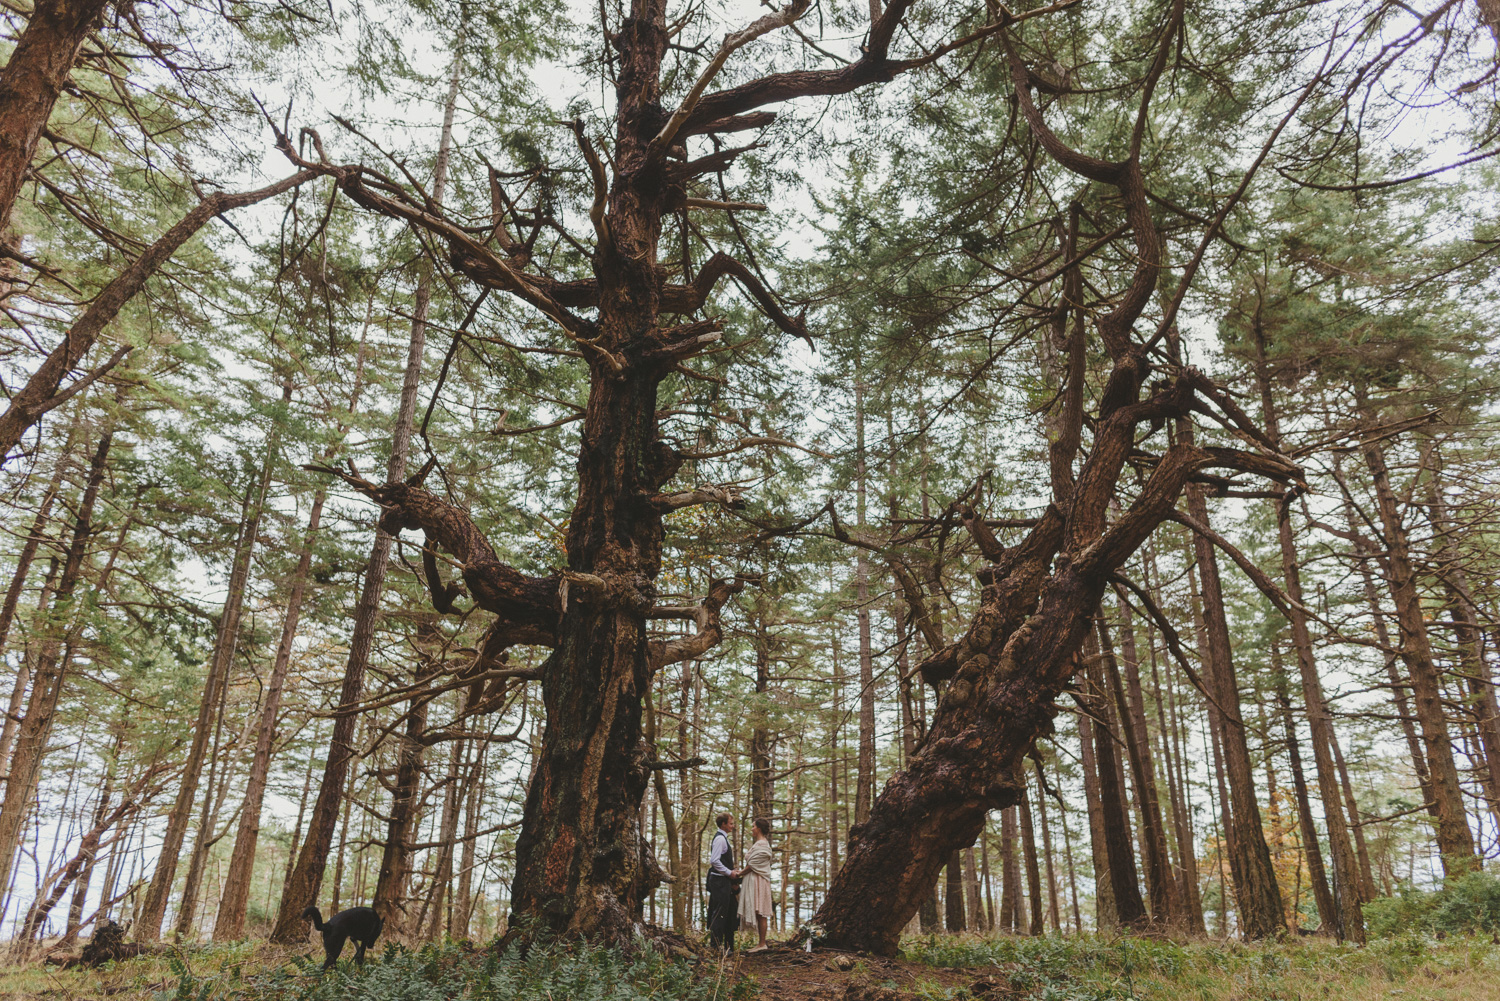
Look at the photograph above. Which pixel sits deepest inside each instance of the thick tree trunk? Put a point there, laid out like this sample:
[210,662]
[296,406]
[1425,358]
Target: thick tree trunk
[51,668]
[37,71]
[582,864]
[953,895]
[1454,838]
[229,925]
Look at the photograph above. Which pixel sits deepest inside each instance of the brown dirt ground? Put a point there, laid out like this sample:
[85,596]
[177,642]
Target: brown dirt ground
[786,974]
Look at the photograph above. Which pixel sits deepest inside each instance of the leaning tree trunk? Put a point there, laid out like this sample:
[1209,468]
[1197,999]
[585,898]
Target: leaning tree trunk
[1039,596]
[1454,838]
[51,666]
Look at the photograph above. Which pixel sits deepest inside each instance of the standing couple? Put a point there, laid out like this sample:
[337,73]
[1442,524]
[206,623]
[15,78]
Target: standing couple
[739,895]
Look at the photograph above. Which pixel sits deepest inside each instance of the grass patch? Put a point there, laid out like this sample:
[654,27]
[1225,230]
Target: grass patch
[1135,969]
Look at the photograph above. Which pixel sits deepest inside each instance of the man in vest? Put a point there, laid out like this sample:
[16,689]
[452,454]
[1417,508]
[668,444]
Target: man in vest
[723,886]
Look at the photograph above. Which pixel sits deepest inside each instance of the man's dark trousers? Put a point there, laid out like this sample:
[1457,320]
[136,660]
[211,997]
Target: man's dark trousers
[723,914]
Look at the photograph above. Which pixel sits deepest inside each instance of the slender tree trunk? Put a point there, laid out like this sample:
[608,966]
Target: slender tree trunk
[1161,881]
[154,908]
[438,920]
[1322,896]
[1171,743]
[24,560]
[761,804]
[49,675]
[1033,872]
[85,878]
[208,818]
[463,912]
[1053,912]
[1455,840]
[1130,910]
[395,857]
[229,925]
[1014,907]
[1256,889]
[307,874]
[1349,922]
[1367,878]
[865,783]
[1466,634]
[1106,917]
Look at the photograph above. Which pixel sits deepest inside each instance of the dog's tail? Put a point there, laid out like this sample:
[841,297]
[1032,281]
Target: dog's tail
[317,916]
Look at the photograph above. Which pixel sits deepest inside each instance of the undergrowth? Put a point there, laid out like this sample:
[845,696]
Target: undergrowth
[438,972]
[1140,969]
[1468,903]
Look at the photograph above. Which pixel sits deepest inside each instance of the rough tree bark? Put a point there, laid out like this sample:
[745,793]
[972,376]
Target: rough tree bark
[37,71]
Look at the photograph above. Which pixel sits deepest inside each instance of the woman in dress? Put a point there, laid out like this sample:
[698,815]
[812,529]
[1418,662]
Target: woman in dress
[755,891]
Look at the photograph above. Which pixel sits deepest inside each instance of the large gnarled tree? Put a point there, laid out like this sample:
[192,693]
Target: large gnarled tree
[582,864]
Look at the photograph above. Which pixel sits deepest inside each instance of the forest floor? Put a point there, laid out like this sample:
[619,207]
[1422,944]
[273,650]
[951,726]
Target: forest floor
[937,968]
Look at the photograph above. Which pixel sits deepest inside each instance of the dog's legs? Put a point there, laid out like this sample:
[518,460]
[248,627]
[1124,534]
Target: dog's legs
[333,947]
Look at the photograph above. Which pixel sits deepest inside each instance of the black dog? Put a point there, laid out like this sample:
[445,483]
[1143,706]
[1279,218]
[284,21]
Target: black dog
[359,923]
